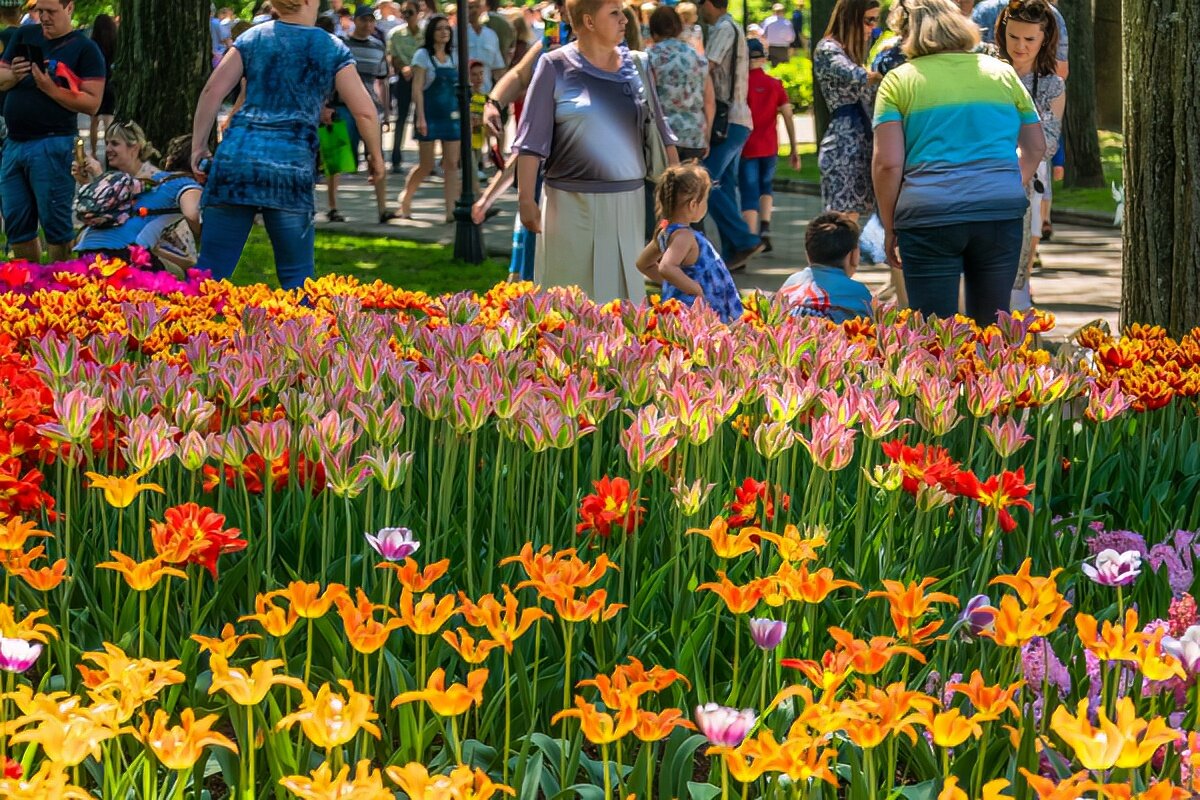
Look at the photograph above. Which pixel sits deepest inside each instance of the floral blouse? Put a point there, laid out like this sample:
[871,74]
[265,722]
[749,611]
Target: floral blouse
[679,77]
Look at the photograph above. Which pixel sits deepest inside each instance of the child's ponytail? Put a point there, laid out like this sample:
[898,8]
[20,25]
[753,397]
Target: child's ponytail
[681,183]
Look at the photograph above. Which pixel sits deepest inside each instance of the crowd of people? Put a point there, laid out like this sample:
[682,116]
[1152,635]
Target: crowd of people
[634,125]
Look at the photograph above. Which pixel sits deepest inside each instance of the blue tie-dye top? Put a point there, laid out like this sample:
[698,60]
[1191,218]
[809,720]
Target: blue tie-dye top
[268,156]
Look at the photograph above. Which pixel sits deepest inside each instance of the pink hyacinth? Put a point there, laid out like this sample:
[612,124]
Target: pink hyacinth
[18,655]
[767,633]
[394,544]
[724,726]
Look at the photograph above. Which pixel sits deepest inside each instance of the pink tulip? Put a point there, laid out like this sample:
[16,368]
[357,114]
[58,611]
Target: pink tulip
[1007,436]
[394,544]
[1113,568]
[18,655]
[724,726]
[767,633]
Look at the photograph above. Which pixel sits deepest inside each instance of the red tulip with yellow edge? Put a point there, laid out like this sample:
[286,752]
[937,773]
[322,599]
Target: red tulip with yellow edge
[448,701]
[179,747]
[322,784]
[330,719]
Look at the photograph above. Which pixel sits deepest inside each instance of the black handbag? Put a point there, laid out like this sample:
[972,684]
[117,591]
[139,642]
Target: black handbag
[720,123]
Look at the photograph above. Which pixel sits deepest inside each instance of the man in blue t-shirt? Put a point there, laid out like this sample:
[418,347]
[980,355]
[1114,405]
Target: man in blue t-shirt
[51,73]
[826,287]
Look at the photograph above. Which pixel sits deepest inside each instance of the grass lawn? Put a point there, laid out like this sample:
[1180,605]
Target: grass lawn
[1095,200]
[411,265]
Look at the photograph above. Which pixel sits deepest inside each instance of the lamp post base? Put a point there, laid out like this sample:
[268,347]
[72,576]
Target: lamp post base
[468,237]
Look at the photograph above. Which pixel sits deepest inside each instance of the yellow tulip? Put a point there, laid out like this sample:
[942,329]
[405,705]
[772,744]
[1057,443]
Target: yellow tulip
[179,747]
[121,492]
[448,701]
[141,576]
[330,720]
[322,784]
[248,689]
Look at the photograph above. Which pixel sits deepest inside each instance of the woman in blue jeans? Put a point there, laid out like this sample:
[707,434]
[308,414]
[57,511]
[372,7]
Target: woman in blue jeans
[266,163]
[952,205]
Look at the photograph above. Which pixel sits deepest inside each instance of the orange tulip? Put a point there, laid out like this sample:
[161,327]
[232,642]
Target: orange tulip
[742,762]
[14,532]
[599,727]
[726,546]
[1154,663]
[1111,642]
[738,599]
[950,728]
[308,600]
[427,615]
[449,701]
[248,688]
[465,645]
[179,747]
[322,784]
[506,622]
[801,758]
[44,579]
[790,584]
[654,726]
[1031,589]
[1073,787]
[657,678]
[1163,790]
[365,633]
[792,546]
[563,568]
[1126,742]
[330,720]
[869,658]
[413,578]
[989,702]
[991,790]
[50,781]
[141,576]
[909,604]
[275,620]
[462,783]
[587,609]
[224,645]
[69,738]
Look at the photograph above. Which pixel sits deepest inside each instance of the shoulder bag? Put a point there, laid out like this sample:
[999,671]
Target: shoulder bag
[654,149]
[720,123]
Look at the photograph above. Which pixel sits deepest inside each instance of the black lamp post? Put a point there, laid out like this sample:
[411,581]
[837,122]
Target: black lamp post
[468,239]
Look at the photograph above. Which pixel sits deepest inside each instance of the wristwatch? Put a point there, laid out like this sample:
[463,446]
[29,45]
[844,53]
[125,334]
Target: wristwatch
[491,101]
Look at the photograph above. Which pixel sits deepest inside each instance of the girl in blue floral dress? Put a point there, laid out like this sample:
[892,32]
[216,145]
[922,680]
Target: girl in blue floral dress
[682,259]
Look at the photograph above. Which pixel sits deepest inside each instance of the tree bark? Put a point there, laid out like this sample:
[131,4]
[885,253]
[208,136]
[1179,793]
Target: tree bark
[1108,64]
[1079,128]
[819,14]
[1161,275]
[165,58]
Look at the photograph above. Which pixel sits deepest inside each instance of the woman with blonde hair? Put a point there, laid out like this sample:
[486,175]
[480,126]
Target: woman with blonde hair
[848,87]
[952,205]
[692,33]
[267,160]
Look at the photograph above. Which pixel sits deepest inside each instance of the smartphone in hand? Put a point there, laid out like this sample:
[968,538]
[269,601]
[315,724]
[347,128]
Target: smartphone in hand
[31,53]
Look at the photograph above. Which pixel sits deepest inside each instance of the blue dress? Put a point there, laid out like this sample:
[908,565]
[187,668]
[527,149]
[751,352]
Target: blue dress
[269,154]
[710,272]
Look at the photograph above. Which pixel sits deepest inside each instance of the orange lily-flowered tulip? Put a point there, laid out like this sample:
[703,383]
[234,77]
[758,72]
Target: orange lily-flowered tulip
[44,579]
[330,720]
[464,644]
[599,727]
[308,600]
[121,492]
[989,702]
[726,546]
[802,758]
[226,644]
[15,531]
[463,783]
[738,599]
[1032,589]
[875,713]
[790,584]
[67,739]
[950,728]
[427,615]
[50,781]
[179,747]
[141,576]
[412,577]
[657,678]
[1126,742]
[1111,642]
[248,688]
[506,622]
[991,790]
[744,762]
[322,784]
[586,609]
[144,677]
[364,632]
[1073,787]
[275,620]
[792,546]
[448,701]
[563,568]
[28,627]
[1015,626]
[1154,663]
[869,658]
[827,675]
[1163,790]
[655,726]
[910,603]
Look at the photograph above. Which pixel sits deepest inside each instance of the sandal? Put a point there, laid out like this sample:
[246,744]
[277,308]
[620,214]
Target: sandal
[387,217]
[333,215]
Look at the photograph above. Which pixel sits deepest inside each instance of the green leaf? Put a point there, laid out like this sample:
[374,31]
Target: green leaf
[702,791]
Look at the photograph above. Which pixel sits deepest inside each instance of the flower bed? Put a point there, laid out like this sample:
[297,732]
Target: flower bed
[357,541]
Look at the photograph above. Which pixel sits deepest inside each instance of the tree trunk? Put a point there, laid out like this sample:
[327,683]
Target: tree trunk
[819,14]
[1161,276]
[1108,64]
[1079,128]
[165,58]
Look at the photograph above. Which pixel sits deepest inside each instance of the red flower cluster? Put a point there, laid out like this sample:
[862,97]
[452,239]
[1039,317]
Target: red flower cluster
[194,534]
[612,505]
[753,504]
[933,466]
[311,473]
[25,403]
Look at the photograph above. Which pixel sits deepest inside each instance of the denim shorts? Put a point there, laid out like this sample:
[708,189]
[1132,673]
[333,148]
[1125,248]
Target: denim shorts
[756,177]
[37,189]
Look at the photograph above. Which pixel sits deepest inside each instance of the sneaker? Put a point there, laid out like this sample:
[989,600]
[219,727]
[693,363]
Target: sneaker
[739,259]
[766,240]
[333,215]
